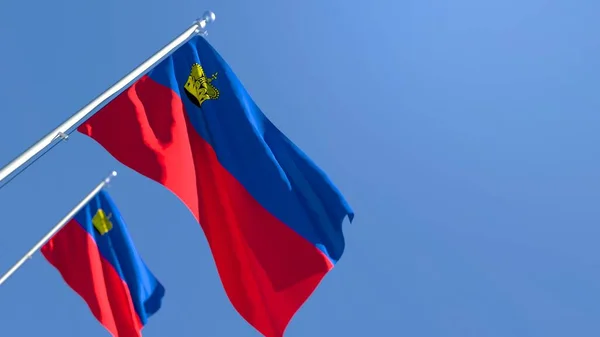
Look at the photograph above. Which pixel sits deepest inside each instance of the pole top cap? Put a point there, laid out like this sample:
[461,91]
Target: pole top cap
[204,20]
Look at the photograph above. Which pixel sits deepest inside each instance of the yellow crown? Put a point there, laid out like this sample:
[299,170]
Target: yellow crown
[102,222]
[198,87]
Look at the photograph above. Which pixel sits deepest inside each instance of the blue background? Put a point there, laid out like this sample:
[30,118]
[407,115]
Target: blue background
[463,133]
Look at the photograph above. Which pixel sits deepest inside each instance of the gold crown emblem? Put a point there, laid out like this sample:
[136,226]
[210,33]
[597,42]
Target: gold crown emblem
[198,87]
[102,222]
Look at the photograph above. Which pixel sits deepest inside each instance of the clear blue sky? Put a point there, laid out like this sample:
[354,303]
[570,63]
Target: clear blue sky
[463,133]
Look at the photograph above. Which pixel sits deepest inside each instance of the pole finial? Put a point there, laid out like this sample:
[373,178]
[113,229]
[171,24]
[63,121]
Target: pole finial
[203,21]
[112,175]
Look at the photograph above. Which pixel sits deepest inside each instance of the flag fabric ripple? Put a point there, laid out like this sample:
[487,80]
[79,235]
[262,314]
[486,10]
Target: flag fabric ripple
[272,217]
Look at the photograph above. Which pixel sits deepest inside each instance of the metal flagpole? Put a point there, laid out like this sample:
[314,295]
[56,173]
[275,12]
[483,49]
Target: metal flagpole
[58,227]
[61,132]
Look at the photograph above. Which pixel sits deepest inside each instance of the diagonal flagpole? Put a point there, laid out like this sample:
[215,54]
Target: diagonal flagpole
[62,131]
[58,227]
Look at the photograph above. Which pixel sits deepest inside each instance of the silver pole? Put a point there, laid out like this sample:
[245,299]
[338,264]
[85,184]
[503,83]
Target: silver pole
[60,132]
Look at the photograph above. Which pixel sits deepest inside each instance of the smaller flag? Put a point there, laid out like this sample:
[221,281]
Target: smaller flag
[96,257]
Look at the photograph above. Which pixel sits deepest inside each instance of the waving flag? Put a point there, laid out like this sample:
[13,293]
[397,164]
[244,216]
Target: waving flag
[97,259]
[273,219]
